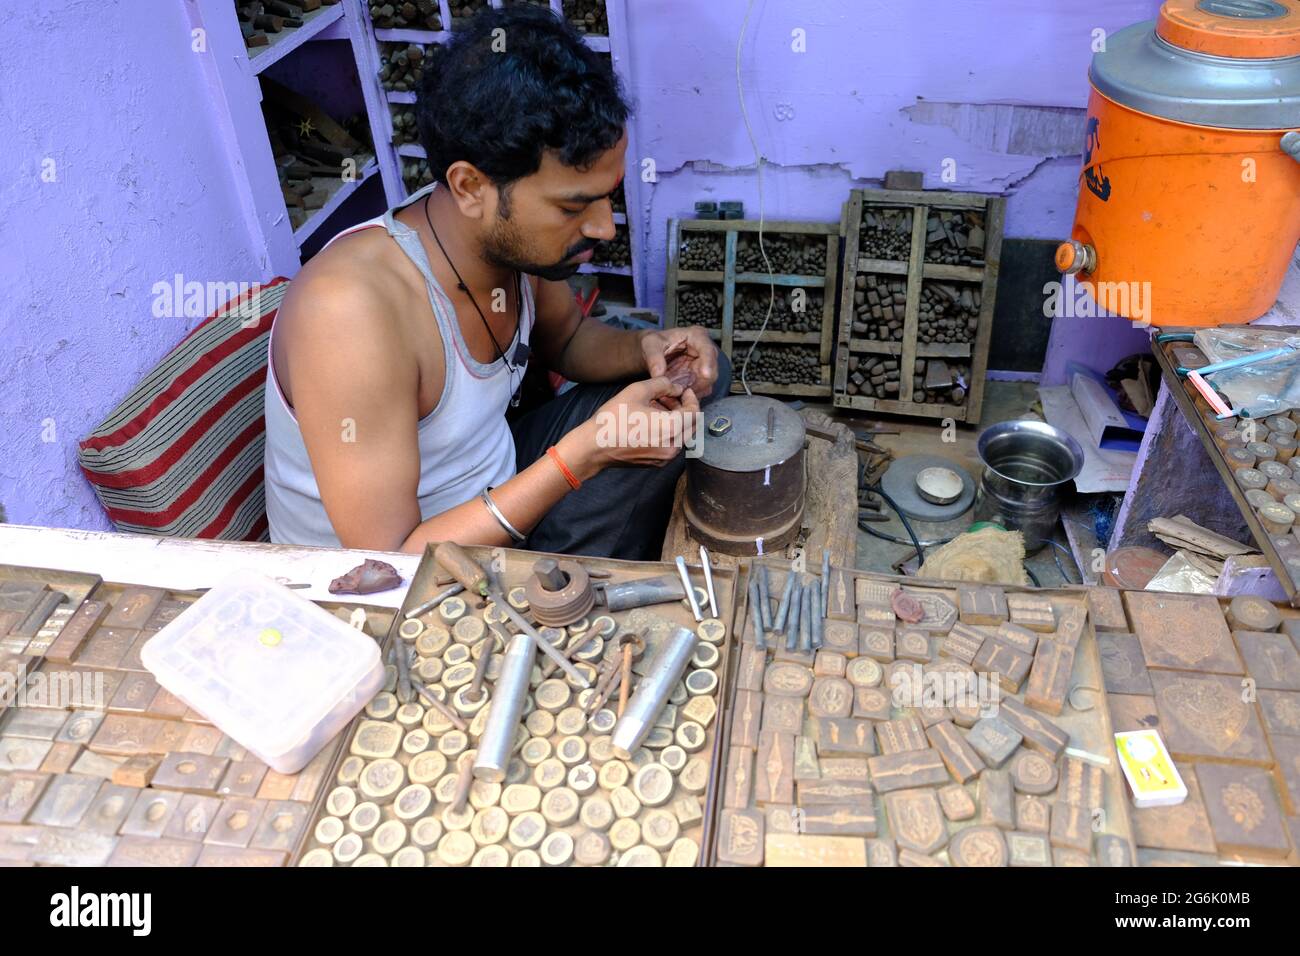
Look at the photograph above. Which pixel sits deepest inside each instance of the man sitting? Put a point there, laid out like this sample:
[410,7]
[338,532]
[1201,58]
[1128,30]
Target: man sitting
[399,346]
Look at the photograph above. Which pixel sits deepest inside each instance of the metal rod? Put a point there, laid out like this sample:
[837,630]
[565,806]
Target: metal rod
[625,678]
[805,617]
[403,663]
[546,647]
[665,670]
[756,616]
[510,692]
[553,579]
[434,601]
[570,652]
[605,683]
[439,706]
[463,783]
[764,598]
[708,581]
[818,614]
[792,619]
[783,609]
[689,588]
[826,574]
[657,590]
[475,692]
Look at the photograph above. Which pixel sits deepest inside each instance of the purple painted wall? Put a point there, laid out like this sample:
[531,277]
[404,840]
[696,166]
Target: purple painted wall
[117,102]
[880,86]
[143,187]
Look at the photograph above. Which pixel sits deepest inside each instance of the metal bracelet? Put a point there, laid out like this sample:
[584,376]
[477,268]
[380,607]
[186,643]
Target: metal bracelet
[501,519]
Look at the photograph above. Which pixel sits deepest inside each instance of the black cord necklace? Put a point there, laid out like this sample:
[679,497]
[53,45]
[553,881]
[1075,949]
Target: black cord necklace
[511,367]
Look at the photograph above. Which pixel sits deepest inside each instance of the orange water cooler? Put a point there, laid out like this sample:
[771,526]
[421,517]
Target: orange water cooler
[1189,198]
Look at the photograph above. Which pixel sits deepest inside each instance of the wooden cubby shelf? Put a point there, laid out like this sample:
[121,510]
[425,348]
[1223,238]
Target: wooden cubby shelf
[913,333]
[802,354]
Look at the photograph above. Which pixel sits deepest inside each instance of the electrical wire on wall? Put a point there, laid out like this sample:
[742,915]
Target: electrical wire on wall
[758,162]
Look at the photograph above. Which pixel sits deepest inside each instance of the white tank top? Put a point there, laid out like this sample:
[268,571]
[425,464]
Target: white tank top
[465,443]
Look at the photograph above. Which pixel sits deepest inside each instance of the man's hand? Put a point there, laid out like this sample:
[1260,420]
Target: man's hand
[635,427]
[686,356]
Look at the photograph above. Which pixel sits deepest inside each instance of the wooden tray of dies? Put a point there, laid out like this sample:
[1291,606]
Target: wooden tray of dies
[1089,729]
[30,642]
[74,748]
[513,569]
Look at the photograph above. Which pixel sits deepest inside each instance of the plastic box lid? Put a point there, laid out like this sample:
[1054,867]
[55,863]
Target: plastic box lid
[265,665]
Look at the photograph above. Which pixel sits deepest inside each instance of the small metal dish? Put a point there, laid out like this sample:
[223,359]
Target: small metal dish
[939,486]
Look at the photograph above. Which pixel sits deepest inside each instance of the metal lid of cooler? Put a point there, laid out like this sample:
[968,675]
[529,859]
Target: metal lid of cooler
[1244,29]
[1144,72]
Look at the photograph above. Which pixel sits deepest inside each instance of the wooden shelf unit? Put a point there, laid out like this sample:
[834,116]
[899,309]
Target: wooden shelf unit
[615,45]
[233,71]
[917,272]
[727,334]
[232,75]
[280,45]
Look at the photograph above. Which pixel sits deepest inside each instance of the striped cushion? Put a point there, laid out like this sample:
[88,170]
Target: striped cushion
[181,456]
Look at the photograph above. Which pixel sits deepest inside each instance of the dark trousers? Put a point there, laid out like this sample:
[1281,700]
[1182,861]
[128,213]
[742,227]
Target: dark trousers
[620,513]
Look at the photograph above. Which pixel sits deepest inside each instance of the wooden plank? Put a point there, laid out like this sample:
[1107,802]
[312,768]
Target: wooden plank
[923,350]
[945,272]
[770,226]
[936,198]
[782,278]
[894,407]
[729,298]
[873,347]
[781,338]
[772,388]
[994,222]
[674,276]
[850,211]
[828,300]
[911,318]
[885,266]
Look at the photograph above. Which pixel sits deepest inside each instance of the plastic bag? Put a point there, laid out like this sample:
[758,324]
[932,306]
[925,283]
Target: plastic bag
[1260,389]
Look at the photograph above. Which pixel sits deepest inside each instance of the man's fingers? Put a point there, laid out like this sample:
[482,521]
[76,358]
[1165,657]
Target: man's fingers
[661,387]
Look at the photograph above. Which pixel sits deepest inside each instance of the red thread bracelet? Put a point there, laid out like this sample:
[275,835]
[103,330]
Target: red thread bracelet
[569,476]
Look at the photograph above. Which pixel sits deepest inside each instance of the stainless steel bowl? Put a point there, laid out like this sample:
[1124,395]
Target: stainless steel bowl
[1026,465]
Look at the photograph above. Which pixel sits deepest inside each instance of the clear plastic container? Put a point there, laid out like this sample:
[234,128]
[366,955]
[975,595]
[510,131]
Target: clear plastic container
[269,668]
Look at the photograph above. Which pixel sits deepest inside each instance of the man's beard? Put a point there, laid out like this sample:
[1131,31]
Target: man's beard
[504,246]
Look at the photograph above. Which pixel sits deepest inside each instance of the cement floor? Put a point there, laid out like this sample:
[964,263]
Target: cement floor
[1002,401]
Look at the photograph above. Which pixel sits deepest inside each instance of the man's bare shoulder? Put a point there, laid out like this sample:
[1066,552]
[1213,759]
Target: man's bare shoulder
[361,279]
[345,305]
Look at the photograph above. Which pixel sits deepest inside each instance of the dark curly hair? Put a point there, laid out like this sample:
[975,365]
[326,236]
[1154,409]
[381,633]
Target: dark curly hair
[500,109]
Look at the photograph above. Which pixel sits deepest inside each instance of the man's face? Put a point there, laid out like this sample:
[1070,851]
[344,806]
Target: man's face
[547,224]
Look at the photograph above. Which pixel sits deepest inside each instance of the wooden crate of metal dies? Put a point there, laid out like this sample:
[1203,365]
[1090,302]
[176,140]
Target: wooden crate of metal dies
[916,301]
[717,279]
[395,797]
[979,734]
[102,765]
[1254,457]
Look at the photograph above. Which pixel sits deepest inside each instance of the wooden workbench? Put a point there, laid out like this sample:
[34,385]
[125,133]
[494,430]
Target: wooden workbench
[183,564]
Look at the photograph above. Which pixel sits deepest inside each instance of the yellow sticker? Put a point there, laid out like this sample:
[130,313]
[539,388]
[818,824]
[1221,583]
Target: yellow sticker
[270,636]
